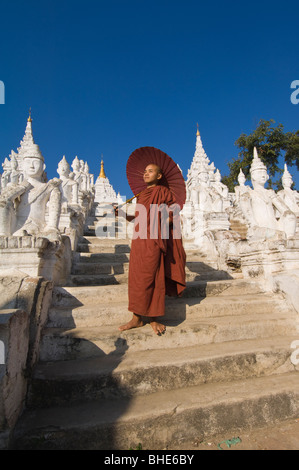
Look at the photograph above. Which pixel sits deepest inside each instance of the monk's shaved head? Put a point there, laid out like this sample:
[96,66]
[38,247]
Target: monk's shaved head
[156,167]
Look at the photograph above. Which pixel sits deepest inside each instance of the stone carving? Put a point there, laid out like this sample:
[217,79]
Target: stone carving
[221,188]
[15,175]
[76,169]
[272,244]
[23,205]
[242,188]
[11,172]
[72,214]
[5,179]
[204,194]
[288,195]
[266,213]
[82,175]
[84,179]
[69,187]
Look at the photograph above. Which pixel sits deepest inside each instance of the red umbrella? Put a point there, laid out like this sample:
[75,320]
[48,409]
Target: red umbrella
[172,175]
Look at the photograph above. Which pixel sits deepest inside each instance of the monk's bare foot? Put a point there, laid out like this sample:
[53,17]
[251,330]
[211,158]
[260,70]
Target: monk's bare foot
[136,322]
[158,328]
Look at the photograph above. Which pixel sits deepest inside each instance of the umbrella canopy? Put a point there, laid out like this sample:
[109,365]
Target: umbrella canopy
[172,175]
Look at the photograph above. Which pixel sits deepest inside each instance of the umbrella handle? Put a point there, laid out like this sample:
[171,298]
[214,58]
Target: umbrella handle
[127,201]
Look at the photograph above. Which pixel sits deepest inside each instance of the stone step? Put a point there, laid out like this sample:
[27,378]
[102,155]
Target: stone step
[119,264]
[175,309]
[96,244]
[117,273]
[96,258]
[101,232]
[194,261]
[128,374]
[110,267]
[107,241]
[61,344]
[224,287]
[161,419]
[103,248]
[96,250]
[121,246]
[97,279]
[87,295]
[114,242]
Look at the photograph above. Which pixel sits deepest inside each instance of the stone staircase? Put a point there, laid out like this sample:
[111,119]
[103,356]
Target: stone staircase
[223,365]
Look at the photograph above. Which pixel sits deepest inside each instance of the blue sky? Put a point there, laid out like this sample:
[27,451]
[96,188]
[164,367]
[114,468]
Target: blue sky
[107,77]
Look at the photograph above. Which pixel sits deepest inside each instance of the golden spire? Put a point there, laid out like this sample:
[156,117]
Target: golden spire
[197,133]
[29,118]
[102,172]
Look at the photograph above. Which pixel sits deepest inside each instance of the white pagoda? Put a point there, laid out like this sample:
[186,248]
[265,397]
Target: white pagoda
[206,201]
[104,191]
[200,164]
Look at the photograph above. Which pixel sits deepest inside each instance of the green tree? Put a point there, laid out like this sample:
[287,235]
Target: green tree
[272,143]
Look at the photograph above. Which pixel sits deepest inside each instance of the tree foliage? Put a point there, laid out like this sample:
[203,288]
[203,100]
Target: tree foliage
[272,144]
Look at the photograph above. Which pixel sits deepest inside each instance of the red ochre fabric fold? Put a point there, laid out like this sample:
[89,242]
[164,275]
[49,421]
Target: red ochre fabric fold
[157,266]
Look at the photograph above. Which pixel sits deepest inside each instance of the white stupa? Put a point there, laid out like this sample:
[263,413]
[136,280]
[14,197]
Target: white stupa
[104,191]
[200,163]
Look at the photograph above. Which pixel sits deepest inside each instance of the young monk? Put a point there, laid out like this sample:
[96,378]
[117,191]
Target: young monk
[157,265]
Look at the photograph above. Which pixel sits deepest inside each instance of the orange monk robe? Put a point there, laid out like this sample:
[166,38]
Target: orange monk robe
[157,266]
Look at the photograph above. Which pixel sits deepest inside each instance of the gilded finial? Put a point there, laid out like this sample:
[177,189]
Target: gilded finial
[29,118]
[102,172]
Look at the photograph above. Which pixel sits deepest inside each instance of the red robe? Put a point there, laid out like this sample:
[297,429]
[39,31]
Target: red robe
[157,266]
